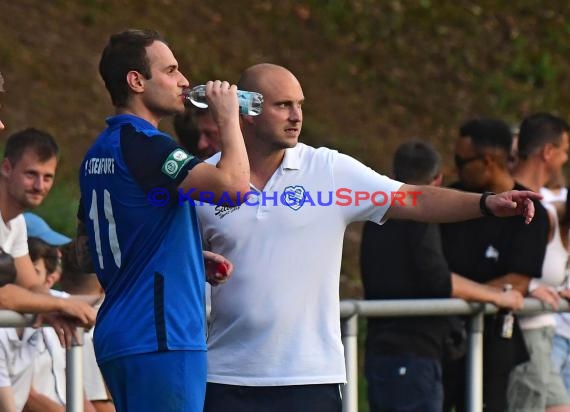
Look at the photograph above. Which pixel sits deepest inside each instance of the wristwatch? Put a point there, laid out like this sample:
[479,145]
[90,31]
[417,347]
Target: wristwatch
[483,205]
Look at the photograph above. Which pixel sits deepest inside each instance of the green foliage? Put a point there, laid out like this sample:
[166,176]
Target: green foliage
[60,209]
[373,72]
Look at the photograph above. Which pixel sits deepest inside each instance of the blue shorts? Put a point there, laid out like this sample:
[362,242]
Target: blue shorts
[173,381]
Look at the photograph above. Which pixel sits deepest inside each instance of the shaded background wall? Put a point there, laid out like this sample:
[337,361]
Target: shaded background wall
[374,72]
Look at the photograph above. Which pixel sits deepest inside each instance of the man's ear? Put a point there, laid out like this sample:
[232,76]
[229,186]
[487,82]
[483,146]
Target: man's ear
[6,168]
[51,278]
[438,180]
[135,80]
[547,150]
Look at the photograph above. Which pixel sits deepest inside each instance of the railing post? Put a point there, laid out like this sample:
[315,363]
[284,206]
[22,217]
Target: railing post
[74,374]
[474,369]
[349,330]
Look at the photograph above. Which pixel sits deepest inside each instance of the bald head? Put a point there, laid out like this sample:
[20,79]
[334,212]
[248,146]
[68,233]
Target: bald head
[265,76]
[279,125]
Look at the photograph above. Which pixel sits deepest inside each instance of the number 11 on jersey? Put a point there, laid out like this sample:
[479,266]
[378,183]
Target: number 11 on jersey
[112,228]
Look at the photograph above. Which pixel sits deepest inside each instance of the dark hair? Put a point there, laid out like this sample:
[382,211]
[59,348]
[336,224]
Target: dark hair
[125,52]
[537,130]
[39,249]
[74,279]
[40,142]
[488,133]
[416,162]
[7,268]
[187,130]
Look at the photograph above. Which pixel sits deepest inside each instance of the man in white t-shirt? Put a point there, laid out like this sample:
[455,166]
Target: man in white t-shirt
[274,340]
[26,176]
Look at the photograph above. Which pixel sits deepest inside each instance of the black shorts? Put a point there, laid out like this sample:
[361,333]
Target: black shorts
[294,398]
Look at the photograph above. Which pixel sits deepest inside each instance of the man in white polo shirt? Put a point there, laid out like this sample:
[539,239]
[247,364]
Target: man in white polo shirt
[274,341]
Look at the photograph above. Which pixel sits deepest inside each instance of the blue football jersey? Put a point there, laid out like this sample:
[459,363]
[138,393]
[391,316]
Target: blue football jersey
[145,243]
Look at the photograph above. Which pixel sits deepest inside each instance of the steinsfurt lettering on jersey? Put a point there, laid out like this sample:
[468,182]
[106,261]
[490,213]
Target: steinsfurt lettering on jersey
[100,166]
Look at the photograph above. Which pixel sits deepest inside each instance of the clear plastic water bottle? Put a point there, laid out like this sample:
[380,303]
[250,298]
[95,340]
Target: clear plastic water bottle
[250,103]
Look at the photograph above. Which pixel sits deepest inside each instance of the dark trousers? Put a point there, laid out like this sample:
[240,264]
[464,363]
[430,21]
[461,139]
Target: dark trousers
[403,383]
[297,398]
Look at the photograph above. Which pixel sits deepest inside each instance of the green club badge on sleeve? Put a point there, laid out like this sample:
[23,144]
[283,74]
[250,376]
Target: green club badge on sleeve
[175,162]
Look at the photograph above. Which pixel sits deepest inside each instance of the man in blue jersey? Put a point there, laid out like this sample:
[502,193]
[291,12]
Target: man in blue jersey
[143,233]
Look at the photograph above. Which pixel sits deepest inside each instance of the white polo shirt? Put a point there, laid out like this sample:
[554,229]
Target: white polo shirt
[17,361]
[49,366]
[276,321]
[93,382]
[14,237]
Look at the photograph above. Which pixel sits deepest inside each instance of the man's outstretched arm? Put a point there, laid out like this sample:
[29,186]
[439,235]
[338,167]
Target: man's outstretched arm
[442,205]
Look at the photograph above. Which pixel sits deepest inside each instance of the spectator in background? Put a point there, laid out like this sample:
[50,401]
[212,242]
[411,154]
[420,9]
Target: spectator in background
[491,251]
[76,282]
[49,386]
[555,193]
[402,259]
[186,131]
[274,341]
[209,142]
[32,362]
[26,176]
[198,132]
[561,341]
[37,228]
[48,391]
[536,385]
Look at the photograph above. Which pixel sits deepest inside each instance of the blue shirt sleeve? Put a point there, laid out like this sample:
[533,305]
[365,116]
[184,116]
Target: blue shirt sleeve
[156,161]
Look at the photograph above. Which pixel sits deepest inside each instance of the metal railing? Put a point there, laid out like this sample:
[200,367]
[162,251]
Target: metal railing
[350,310]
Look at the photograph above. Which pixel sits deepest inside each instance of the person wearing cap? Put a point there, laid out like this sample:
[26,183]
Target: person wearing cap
[48,385]
[50,242]
[38,227]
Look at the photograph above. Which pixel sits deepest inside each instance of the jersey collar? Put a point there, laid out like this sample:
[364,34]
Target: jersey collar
[138,122]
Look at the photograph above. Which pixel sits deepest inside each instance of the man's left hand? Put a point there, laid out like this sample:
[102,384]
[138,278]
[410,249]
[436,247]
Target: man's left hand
[512,203]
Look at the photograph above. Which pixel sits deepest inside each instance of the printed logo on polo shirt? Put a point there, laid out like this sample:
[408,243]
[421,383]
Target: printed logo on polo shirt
[294,197]
[223,210]
[175,162]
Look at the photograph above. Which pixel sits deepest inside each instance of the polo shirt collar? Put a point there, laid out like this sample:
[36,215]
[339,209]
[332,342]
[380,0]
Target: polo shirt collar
[30,336]
[292,159]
